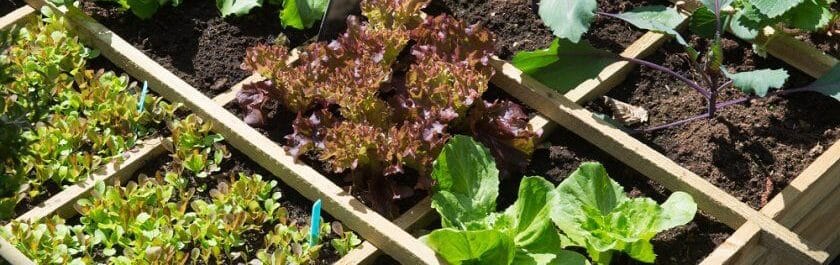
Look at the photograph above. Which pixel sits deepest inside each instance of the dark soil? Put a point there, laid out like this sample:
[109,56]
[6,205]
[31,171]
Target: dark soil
[194,42]
[564,152]
[7,6]
[518,27]
[752,151]
[298,207]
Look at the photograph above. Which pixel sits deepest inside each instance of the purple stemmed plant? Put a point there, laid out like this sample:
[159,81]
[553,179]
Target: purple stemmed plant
[569,19]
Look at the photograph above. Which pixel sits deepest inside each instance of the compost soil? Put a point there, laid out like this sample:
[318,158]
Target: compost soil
[298,207]
[194,42]
[7,6]
[518,27]
[752,151]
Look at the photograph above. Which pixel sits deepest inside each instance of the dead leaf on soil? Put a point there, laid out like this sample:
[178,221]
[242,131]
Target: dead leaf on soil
[625,113]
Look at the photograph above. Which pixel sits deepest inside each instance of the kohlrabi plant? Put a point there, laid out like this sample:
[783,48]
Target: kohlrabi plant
[570,19]
[473,232]
[594,213]
[60,120]
[587,210]
[385,96]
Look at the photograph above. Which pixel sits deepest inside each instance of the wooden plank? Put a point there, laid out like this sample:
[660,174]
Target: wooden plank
[418,217]
[615,73]
[795,52]
[340,204]
[12,254]
[648,161]
[17,16]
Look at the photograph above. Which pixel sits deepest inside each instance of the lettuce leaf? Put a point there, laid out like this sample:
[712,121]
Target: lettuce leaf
[467,183]
[593,211]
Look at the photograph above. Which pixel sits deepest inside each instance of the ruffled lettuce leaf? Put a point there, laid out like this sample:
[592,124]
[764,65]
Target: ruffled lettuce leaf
[594,213]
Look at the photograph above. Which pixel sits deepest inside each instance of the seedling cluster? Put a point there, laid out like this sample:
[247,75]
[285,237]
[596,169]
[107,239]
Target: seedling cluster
[64,121]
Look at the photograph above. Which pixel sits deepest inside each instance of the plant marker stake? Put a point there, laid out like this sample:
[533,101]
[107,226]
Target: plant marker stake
[315,228]
[142,103]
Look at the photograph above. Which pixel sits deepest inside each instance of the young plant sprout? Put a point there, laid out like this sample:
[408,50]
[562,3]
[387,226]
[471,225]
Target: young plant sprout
[570,19]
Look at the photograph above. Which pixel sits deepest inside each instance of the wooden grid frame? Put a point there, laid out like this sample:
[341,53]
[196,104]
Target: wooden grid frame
[790,224]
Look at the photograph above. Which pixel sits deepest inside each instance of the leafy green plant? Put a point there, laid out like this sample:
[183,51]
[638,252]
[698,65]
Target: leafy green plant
[590,209]
[366,111]
[594,213]
[345,241]
[196,147]
[162,219]
[473,232]
[65,121]
[570,19]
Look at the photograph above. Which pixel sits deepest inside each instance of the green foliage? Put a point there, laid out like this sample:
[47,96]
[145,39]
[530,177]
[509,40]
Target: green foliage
[160,219]
[594,213]
[237,7]
[345,241]
[758,82]
[473,233]
[302,14]
[65,121]
[587,210]
[829,83]
[568,19]
[564,64]
[199,150]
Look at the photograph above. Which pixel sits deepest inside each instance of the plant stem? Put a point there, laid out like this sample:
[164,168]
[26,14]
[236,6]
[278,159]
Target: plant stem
[725,104]
[682,78]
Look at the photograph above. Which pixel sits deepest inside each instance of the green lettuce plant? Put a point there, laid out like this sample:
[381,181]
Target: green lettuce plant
[594,213]
[570,19]
[472,231]
[587,210]
[196,148]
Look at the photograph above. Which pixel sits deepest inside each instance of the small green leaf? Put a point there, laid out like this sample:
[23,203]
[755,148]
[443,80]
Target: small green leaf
[678,210]
[467,182]
[302,14]
[564,65]
[656,18]
[531,216]
[811,15]
[236,7]
[143,9]
[774,8]
[744,26]
[568,19]
[703,22]
[757,82]
[829,83]
[471,247]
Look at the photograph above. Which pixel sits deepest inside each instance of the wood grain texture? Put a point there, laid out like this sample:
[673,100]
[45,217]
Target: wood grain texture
[649,162]
[20,15]
[306,180]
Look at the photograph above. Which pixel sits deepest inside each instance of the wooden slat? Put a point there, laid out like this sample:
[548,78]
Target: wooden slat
[340,204]
[799,205]
[418,217]
[17,16]
[649,162]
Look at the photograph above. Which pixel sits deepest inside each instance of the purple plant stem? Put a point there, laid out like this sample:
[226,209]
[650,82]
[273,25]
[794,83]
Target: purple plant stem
[682,78]
[724,104]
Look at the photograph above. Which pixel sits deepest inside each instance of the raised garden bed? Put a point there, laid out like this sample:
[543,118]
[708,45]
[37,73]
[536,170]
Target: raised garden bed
[796,211]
